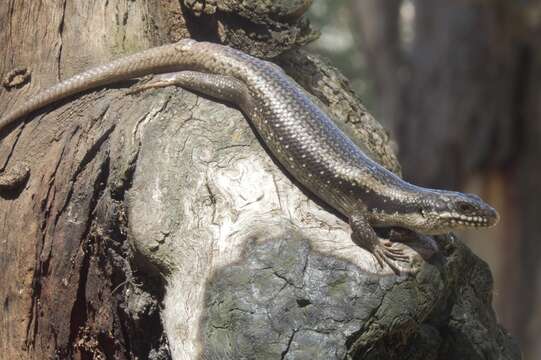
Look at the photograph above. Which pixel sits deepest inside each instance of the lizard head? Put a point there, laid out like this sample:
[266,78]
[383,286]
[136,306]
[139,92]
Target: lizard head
[450,211]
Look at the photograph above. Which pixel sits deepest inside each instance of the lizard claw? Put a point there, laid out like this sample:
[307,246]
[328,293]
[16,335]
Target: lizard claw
[156,81]
[382,249]
[389,247]
[144,85]
[385,253]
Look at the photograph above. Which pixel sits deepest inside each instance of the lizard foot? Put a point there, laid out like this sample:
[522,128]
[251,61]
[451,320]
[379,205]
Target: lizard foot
[386,253]
[383,250]
[153,82]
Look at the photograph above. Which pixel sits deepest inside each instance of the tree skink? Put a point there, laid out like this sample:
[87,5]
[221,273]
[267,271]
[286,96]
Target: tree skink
[298,133]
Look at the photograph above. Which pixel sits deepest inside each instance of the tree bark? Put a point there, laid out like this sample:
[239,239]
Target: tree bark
[157,226]
[462,99]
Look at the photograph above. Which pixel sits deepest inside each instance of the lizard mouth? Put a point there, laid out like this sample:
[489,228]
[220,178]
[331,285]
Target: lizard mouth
[471,221]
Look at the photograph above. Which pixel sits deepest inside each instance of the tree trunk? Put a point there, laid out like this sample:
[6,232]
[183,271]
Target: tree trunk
[156,225]
[462,98]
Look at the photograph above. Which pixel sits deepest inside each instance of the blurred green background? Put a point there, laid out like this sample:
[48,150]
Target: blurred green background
[458,84]
[340,42]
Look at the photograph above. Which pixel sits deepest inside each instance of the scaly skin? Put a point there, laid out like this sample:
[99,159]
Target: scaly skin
[298,133]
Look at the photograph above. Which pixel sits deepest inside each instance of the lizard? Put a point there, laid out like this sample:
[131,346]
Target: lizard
[300,135]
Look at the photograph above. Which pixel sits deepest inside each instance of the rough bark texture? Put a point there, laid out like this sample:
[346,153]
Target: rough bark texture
[157,226]
[287,301]
[467,89]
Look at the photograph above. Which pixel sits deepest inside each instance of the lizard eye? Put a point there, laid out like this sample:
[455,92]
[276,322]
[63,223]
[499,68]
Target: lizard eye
[466,207]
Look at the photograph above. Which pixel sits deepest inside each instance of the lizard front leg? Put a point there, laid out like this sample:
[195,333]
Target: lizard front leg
[382,249]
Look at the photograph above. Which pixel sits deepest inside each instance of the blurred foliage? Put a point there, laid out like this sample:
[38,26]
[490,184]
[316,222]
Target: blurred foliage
[339,43]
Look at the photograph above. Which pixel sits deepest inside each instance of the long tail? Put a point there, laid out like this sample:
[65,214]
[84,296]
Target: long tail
[159,59]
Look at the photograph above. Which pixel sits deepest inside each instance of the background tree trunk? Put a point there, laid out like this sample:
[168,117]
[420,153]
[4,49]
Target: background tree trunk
[462,99]
[64,260]
[157,226]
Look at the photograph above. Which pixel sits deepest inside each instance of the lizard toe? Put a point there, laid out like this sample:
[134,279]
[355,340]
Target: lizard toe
[384,257]
[380,257]
[393,250]
[397,257]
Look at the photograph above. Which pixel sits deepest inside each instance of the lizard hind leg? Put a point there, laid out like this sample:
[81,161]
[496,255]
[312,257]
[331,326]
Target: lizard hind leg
[221,87]
[382,249]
